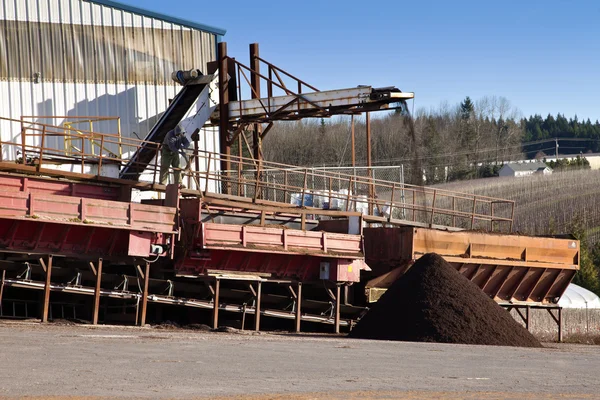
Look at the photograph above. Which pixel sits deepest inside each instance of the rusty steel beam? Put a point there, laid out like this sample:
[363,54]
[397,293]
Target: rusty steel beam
[299,307]
[369,163]
[46,305]
[257,313]
[353,141]
[224,142]
[145,295]
[98,273]
[255,83]
[215,323]
[2,289]
[337,309]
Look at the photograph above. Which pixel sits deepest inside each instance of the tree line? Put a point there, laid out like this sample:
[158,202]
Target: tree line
[472,139]
[446,143]
[585,135]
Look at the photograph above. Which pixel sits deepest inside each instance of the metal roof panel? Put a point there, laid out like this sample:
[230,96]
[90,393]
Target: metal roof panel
[152,14]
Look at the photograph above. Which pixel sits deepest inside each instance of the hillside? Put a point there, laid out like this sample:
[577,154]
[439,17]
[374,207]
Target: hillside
[545,204]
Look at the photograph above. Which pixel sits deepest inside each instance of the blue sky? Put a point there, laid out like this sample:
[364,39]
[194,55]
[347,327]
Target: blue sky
[544,56]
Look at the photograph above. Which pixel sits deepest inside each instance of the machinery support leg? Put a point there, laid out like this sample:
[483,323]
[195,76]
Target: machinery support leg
[299,307]
[47,290]
[216,304]
[257,314]
[2,289]
[337,308]
[97,292]
[527,316]
[560,332]
[145,295]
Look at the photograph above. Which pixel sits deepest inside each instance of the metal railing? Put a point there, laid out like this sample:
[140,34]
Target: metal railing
[279,185]
[73,124]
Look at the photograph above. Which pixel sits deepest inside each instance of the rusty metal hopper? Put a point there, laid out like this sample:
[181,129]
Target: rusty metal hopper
[509,268]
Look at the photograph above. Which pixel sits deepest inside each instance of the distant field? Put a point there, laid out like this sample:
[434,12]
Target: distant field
[559,197]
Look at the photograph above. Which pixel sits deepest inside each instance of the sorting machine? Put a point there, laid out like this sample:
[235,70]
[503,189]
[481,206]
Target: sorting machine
[233,245]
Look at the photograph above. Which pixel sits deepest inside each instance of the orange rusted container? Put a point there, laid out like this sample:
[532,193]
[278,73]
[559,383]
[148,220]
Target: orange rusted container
[509,268]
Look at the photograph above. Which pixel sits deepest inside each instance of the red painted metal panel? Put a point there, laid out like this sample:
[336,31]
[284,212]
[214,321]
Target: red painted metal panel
[73,210]
[78,240]
[344,270]
[279,240]
[61,188]
[281,266]
[139,244]
[276,265]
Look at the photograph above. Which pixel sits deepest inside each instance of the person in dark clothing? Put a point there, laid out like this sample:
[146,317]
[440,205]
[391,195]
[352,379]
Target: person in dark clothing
[175,143]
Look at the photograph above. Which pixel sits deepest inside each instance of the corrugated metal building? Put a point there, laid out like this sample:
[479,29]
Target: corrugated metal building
[70,58]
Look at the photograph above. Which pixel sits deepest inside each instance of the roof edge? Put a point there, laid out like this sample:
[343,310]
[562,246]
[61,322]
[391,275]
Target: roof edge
[206,28]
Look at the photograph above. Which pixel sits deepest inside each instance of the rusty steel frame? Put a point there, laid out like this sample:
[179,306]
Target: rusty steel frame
[297,88]
[215,304]
[527,317]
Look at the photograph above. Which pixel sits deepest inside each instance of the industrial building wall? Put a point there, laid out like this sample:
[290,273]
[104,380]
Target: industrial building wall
[70,58]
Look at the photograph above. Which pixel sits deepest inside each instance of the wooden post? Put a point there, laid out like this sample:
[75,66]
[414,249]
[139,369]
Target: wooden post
[337,309]
[257,309]
[47,290]
[216,304]
[97,292]
[145,295]
[299,307]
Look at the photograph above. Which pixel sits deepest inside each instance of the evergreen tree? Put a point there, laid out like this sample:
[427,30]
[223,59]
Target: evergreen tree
[466,109]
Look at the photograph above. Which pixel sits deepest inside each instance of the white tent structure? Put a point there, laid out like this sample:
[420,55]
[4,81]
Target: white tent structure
[577,297]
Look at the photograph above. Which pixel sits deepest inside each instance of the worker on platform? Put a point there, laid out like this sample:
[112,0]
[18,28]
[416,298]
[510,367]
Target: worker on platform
[174,144]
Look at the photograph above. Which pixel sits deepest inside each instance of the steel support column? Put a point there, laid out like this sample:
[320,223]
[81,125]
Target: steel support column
[257,314]
[2,289]
[299,307]
[371,187]
[216,304]
[353,142]
[337,309]
[225,145]
[255,92]
[97,292]
[47,290]
[145,295]
[560,330]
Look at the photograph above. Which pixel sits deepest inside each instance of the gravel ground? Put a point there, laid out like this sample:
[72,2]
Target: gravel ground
[54,361]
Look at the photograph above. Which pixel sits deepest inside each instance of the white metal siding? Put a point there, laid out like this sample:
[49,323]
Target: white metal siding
[94,60]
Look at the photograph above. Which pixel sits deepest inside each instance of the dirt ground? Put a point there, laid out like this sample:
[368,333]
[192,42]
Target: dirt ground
[57,362]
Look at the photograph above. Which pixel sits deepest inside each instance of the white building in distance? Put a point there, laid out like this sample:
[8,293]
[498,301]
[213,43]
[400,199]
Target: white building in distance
[524,169]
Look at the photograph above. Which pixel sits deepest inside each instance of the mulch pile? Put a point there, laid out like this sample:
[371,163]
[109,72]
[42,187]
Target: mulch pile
[433,302]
